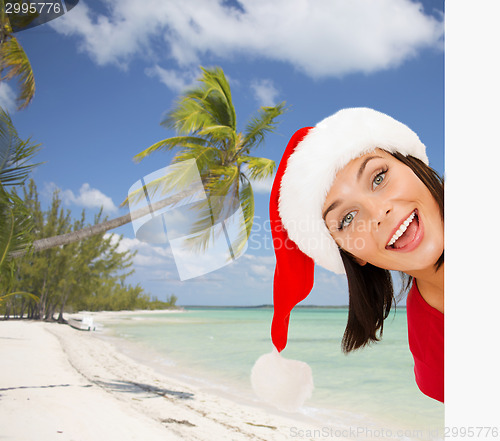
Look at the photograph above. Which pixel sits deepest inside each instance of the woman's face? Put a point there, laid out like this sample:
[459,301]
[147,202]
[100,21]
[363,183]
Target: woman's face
[379,211]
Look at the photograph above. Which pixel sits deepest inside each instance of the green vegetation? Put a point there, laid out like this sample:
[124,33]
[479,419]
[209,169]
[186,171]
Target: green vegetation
[87,275]
[15,222]
[13,60]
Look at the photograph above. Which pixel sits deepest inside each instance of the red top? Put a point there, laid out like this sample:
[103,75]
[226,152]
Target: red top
[426,339]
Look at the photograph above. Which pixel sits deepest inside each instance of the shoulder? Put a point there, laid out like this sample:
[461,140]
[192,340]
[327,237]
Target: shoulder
[415,301]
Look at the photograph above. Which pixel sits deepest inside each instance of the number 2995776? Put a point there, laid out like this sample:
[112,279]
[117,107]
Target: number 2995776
[33,8]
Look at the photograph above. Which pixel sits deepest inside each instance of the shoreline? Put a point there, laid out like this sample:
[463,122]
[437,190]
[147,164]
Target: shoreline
[156,395]
[312,418]
[205,381]
[324,408]
[73,385]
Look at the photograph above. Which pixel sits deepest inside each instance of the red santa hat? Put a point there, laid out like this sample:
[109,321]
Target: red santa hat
[306,173]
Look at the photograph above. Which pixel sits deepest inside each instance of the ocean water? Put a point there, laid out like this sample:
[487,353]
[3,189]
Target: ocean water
[372,388]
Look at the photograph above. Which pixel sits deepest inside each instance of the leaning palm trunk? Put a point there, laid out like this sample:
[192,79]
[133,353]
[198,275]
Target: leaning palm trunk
[93,230]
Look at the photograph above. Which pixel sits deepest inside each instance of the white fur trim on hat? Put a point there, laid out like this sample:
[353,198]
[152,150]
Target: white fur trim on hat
[327,148]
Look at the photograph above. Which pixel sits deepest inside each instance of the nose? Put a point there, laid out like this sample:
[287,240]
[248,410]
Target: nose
[379,210]
[383,215]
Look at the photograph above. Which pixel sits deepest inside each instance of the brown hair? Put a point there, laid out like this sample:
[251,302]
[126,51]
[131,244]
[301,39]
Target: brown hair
[371,293]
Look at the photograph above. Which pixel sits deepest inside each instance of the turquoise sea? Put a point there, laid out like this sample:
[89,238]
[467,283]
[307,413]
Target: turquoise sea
[372,388]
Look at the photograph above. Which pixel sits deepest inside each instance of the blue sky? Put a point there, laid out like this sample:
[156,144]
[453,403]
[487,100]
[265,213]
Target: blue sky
[107,71]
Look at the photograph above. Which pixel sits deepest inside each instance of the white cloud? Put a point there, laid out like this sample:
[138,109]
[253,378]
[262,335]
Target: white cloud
[149,261]
[7,97]
[252,260]
[87,198]
[262,271]
[114,39]
[265,92]
[251,268]
[175,80]
[126,244]
[319,37]
[336,282]
[263,186]
[148,255]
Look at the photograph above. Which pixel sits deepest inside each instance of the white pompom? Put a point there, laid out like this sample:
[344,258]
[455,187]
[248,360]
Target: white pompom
[281,382]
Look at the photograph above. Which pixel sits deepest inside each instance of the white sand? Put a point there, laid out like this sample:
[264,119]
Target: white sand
[57,383]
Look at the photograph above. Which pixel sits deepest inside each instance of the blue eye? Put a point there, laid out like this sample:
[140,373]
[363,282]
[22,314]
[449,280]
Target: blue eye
[379,179]
[348,218]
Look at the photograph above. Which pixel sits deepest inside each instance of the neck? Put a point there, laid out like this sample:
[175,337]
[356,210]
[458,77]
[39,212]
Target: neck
[431,286]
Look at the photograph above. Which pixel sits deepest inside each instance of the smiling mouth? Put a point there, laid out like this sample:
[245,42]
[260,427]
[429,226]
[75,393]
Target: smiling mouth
[406,232]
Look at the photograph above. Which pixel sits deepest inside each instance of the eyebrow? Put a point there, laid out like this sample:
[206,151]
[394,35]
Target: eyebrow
[362,167]
[332,207]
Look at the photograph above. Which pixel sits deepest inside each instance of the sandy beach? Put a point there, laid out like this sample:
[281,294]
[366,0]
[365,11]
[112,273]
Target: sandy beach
[58,383]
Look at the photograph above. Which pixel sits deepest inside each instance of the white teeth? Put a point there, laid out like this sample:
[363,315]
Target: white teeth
[402,228]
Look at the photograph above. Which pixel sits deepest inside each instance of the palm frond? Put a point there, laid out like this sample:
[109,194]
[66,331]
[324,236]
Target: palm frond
[201,234]
[15,63]
[216,218]
[216,108]
[260,125]
[188,116]
[205,156]
[208,104]
[258,168]
[21,293]
[222,201]
[15,153]
[15,226]
[247,202]
[173,142]
[220,179]
[217,85]
[218,134]
[177,183]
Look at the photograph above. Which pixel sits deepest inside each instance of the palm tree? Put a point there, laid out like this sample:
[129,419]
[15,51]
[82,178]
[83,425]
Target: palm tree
[205,121]
[15,224]
[13,60]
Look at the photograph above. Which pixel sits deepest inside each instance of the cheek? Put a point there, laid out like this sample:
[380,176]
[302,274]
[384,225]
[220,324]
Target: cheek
[359,245]
[409,185]
[434,244]
[433,249]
